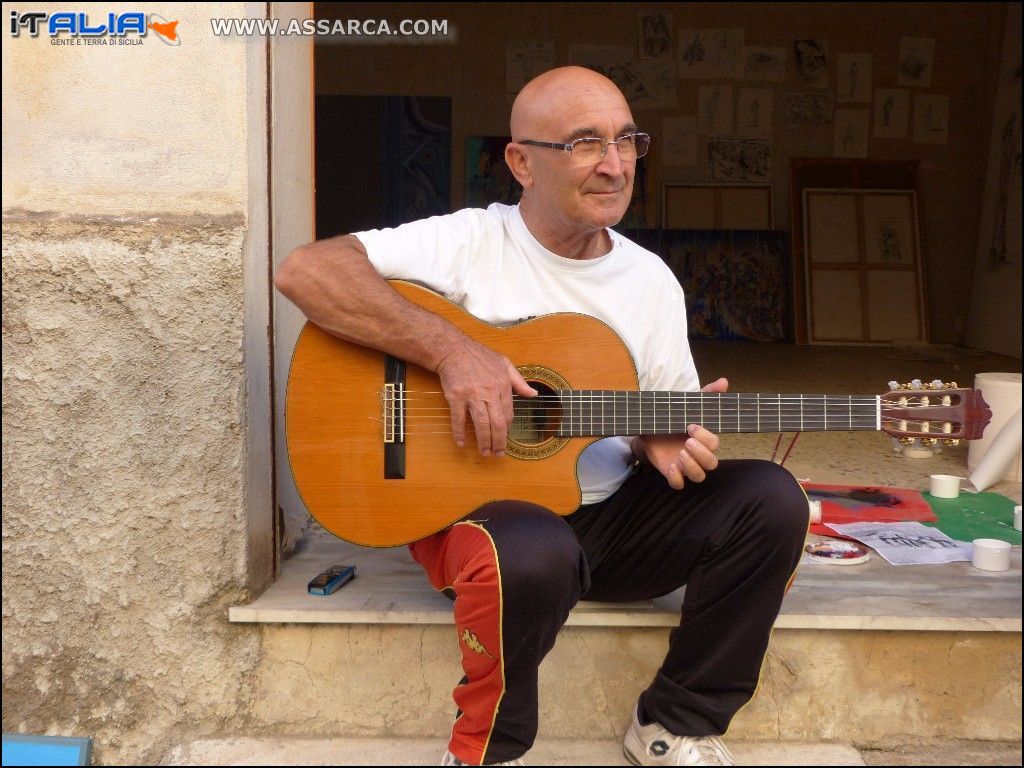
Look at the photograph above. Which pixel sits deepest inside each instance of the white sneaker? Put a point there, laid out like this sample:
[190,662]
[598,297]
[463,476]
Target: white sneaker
[653,745]
[450,759]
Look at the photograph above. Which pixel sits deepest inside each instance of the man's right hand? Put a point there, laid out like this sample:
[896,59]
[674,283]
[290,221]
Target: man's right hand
[481,381]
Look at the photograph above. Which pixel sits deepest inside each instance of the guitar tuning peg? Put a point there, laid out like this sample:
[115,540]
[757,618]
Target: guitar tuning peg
[905,440]
[893,385]
[915,384]
[937,384]
[952,385]
[929,441]
[949,442]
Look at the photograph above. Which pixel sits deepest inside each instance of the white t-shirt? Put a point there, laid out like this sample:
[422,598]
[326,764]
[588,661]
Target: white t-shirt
[488,262]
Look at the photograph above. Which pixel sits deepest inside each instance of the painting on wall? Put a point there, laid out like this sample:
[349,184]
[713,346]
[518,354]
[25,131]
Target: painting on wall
[488,178]
[735,281]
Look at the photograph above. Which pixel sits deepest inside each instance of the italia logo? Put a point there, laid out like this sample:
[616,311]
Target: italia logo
[123,27]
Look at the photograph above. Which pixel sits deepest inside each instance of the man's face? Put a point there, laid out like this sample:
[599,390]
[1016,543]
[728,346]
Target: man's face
[585,196]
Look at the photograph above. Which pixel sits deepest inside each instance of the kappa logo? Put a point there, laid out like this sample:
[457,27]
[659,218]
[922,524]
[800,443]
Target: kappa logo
[473,643]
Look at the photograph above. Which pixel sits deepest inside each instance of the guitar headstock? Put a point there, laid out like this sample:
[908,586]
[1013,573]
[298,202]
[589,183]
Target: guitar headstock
[934,411]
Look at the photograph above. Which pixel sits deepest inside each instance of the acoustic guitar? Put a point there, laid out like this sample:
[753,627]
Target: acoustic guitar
[374,460]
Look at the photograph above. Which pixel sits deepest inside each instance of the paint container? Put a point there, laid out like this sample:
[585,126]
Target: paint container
[991,555]
[815,506]
[1016,517]
[945,486]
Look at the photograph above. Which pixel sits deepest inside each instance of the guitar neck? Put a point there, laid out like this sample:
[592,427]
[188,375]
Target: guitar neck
[586,412]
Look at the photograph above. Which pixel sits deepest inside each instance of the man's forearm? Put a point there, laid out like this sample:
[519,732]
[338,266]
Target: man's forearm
[336,287]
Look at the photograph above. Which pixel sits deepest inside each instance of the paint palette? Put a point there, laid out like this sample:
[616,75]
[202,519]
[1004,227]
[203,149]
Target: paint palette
[837,552]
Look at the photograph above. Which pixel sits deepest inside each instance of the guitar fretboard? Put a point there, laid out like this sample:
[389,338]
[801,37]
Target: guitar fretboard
[610,412]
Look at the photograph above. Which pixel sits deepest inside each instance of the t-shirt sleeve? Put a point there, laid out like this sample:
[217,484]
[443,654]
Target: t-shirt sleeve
[670,362]
[436,252]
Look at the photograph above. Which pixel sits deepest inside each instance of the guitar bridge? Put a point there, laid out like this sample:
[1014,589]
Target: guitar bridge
[393,421]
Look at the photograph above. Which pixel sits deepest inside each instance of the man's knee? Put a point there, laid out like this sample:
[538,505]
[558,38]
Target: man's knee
[538,555]
[779,502]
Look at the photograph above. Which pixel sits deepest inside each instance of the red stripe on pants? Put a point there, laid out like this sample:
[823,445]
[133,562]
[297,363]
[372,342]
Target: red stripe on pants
[464,558]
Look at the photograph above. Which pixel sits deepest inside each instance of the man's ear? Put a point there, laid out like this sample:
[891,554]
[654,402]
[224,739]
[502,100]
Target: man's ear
[519,163]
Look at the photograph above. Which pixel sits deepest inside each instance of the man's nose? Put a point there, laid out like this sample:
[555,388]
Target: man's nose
[611,164]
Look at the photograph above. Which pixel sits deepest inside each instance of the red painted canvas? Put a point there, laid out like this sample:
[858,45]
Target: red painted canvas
[866,504]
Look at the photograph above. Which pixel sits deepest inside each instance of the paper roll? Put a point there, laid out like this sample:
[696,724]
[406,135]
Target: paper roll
[1000,456]
[1002,392]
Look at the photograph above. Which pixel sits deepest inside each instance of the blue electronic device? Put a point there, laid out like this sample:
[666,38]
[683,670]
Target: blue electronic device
[331,580]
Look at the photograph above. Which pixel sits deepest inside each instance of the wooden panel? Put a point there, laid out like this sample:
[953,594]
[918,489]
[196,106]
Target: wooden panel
[745,208]
[690,207]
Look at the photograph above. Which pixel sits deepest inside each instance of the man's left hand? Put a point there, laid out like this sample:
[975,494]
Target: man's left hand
[683,456]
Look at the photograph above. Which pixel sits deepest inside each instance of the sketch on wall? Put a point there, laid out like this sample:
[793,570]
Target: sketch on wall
[754,112]
[739,159]
[646,84]
[763,63]
[811,60]
[524,60]
[892,113]
[655,35]
[917,56]
[714,110]
[931,119]
[800,108]
[853,77]
[851,133]
[679,141]
[1008,187]
[710,53]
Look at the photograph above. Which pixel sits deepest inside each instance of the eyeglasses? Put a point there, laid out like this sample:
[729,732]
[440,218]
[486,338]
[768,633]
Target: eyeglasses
[592,149]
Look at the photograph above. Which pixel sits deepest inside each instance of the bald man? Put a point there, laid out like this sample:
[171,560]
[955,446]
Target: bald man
[658,512]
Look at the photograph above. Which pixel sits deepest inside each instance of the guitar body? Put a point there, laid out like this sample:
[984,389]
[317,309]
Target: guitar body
[336,427]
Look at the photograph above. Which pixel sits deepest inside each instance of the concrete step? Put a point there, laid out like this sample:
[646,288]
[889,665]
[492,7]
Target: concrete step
[872,655]
[345,751]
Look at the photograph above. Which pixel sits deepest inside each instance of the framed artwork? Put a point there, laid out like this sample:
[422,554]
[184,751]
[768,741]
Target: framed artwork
[488,178]
[862,266]
[735,281]
[687,205]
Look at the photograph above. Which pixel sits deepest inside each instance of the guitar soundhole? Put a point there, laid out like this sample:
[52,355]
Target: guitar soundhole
[534,430]
[538,418]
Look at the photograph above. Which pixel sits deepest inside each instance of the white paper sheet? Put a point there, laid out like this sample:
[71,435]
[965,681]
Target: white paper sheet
[907,543]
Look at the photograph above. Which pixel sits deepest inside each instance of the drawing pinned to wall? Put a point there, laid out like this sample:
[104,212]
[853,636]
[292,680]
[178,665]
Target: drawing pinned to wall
[738,159]
[763,63]
[892,113]
[931,119]
[678,145]
[714,109]
[655,35]
[853,77]
[811,59]
[800,108]
[917,56]
[709,53]
[754,112]
[851,133]
[524,60]
[1005,245]
[645,84]
[488,178]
